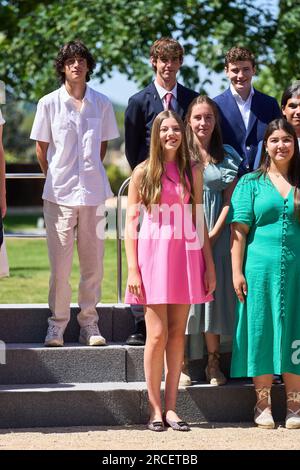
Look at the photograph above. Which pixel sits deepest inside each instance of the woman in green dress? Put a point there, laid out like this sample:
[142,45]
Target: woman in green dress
[265,218]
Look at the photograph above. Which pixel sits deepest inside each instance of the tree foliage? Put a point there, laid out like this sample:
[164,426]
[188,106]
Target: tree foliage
[120,32]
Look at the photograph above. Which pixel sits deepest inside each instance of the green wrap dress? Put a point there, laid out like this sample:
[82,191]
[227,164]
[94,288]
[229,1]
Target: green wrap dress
[267,327]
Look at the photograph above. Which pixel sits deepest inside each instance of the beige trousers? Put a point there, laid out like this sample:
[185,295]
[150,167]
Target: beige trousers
[62,224]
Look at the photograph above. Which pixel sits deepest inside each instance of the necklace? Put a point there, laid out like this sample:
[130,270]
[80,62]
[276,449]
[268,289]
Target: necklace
[278,175]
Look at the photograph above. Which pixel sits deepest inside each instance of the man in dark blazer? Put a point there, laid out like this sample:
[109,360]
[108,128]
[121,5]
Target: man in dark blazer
[244,111]
[166,57]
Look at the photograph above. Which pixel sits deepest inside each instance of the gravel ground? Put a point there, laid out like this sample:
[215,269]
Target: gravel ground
[204,436]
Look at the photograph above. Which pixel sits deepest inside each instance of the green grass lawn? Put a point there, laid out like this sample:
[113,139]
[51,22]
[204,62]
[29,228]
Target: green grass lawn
[29,273]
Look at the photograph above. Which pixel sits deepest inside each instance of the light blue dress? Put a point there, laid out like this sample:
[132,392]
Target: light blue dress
[215,317]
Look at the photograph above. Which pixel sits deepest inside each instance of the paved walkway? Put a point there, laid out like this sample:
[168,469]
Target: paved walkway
[217,436]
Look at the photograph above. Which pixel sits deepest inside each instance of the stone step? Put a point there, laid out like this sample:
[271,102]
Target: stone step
[24,363]
[33,363]
[119,403]
[27,323]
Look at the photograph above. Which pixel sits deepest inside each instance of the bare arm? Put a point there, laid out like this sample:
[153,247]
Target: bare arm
[239,234]
[210,274]
[41,153]
[103,149]
[131,234]
[2,177]
[219,225]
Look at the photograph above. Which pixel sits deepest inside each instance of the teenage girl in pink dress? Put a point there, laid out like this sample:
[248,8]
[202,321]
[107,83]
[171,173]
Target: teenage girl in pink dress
[170,263]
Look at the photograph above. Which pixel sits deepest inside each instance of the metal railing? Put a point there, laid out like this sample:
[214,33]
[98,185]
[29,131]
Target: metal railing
[119,224]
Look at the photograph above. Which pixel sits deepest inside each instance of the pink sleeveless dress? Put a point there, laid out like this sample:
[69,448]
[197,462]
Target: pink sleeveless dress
[170,256]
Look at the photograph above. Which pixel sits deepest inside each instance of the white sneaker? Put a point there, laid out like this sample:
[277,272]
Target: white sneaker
[54,336]
[91,336]
[185,379]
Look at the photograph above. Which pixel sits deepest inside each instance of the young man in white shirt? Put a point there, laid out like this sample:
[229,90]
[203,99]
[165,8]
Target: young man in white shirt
[71,128]
[2,181]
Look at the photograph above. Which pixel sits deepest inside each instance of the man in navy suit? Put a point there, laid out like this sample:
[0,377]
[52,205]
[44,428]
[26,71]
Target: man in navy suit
[244,111]
[166,57]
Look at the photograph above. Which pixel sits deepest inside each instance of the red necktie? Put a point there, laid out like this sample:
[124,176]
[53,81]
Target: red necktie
[168,98]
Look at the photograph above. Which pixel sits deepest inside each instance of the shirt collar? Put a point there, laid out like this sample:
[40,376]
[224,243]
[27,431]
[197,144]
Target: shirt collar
[238,97]
[66,97]
[162,91]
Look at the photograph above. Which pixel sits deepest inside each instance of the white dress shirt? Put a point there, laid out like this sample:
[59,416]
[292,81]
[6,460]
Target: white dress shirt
[76,175]
[1,119]
[244,106]
[162,93]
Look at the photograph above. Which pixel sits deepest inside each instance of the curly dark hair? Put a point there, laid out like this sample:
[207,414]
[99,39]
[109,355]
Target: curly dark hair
[68,51]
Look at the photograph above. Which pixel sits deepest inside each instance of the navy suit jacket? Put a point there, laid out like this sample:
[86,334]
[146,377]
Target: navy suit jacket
[264,109]
[142,109]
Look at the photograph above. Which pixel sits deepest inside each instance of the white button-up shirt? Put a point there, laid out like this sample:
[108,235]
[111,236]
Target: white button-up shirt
[244,106]
[1,119]
[162,93]
[76,175]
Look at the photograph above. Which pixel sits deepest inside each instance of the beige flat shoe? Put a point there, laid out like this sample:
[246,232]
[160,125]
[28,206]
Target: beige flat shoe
[263,418]
[214,376]
[292,420]
[185,379]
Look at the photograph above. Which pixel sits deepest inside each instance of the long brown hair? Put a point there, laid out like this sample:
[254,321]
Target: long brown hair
[154,167]
[215,148]
[294,164]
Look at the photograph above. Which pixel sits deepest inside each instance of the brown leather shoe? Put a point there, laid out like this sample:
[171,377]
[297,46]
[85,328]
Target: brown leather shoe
[138,338]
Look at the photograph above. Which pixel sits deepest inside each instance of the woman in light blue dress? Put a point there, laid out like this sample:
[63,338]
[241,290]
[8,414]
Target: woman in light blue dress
[220,165]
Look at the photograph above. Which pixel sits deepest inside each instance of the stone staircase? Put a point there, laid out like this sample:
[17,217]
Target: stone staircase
[91,386]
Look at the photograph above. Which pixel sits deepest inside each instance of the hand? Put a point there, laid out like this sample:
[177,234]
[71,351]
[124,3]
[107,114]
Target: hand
[134,282]
[240,286]
[212,238]
[210,280]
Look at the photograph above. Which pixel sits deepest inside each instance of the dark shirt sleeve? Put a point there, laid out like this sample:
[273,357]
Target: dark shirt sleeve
[135,132]
[276,111]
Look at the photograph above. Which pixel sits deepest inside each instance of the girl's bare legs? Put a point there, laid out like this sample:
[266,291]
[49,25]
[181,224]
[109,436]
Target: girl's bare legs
[157,334]
[177,318]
